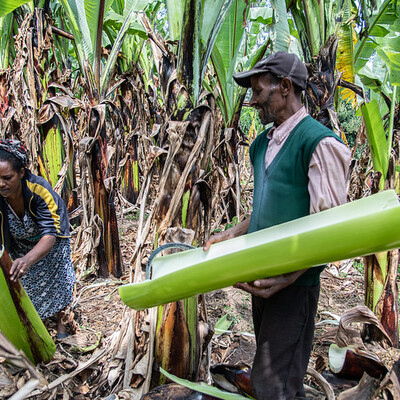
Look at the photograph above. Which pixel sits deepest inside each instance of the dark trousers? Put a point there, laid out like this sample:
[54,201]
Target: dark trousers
[284,328]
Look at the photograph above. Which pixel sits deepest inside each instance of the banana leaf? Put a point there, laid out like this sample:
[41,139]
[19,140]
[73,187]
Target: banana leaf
[6,6]
[19,321]
[204,388]
[365,226]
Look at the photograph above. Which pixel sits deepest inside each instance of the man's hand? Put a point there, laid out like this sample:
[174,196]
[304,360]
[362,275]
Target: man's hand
[266,288]
[218,237]
[235,231]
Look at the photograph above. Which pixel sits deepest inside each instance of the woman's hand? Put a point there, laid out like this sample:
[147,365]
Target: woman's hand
[19,268]
[266,288]
[21,265]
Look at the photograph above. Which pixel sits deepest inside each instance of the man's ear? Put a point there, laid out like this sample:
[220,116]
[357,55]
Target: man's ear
[286,85]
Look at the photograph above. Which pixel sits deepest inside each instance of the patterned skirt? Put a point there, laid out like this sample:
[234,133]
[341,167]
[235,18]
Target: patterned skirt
[50,282]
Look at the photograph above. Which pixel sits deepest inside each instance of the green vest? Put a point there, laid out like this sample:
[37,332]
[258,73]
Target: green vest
[281,190]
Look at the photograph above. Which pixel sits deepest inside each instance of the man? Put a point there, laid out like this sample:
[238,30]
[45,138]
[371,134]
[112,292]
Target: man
[300,167]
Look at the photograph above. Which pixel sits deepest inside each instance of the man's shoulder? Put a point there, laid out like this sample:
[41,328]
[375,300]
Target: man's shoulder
[315,130]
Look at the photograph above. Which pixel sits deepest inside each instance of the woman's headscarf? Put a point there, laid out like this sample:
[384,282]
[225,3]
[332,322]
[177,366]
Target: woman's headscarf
[16,148]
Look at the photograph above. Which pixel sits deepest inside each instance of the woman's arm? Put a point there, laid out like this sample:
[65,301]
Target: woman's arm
[21,265]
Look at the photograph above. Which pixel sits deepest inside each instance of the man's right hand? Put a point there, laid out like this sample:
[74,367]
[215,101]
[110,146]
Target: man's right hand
[235,231]
[218,237]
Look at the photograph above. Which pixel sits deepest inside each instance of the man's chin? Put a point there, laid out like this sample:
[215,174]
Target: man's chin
[266,121]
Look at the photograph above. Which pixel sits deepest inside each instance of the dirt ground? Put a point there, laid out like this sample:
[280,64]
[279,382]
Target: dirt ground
[98,311]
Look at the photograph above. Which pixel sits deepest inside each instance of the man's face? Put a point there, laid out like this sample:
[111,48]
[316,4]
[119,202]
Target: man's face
[266,98]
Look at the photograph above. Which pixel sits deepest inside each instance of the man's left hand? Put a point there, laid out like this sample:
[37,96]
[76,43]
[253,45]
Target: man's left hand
[266,288]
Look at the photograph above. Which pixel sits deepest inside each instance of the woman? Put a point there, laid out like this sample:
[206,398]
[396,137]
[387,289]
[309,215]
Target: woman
[35,231]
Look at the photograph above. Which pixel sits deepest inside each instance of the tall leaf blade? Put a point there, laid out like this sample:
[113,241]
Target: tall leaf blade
[6,38]
[345,53]
[112,59]
[314,24]
[376,138]
[210,11]
[281,26]
[92,8]
[226,52]
[213,16]
[175,16]
[75,11]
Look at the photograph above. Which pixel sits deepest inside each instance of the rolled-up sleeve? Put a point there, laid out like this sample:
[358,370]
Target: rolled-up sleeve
[328,174]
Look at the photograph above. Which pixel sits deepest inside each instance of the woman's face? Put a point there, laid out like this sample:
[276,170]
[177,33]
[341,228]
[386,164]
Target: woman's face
[10,180]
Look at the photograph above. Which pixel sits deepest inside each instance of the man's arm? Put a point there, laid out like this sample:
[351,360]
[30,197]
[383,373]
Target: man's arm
[235,231]
[327,174]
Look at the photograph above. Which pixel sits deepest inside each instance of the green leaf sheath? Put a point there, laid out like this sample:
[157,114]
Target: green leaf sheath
[362,227]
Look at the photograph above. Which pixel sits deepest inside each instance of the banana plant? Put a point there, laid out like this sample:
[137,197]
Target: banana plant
[6,40]
[380,76]
[104,122]
[318,25]
[235,50]
[194,25]
[358,42]
[381,268]
[19,320]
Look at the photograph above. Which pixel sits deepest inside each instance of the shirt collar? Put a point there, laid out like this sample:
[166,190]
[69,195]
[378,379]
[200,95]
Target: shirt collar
[279,133]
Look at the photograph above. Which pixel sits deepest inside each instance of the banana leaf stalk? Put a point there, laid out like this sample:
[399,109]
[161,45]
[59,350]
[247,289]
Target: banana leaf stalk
[176,341]
[19,320]
[380,271]
[362,227]
[105,208]
[53,157]
[130,184]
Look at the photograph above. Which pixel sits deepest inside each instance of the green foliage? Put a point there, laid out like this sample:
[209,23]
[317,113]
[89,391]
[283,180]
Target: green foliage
[234,222]
[350,123]
[6,6]
[232,315]
[377,139]
[222,325]
[250,123]
[204,388]
[358,265]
